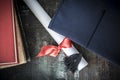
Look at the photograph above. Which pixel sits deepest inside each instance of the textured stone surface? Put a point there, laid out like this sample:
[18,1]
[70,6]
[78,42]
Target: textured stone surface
[48,68]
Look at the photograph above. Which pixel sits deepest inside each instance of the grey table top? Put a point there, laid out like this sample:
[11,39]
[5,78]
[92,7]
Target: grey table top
[49,68]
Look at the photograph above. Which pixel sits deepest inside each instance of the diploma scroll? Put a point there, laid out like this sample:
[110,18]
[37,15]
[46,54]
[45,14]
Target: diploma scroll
[45,19]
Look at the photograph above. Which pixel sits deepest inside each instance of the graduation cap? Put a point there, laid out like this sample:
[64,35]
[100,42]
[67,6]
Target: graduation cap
[94,24]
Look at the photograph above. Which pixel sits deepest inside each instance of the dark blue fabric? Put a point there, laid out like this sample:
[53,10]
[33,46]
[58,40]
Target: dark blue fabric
[77,19]
[95,24]
[106,40]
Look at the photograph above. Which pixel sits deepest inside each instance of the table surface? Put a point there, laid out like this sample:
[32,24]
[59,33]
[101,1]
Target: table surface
[49,68]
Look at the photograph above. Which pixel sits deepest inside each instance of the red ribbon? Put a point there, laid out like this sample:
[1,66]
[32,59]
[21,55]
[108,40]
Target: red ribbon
[52,50]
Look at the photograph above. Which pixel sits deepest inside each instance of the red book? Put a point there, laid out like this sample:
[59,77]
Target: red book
[8,51]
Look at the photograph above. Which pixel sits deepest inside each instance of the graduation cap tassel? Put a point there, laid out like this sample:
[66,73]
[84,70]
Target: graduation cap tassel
[73,61]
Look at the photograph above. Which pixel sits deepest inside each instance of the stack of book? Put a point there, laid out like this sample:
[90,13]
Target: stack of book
[12,52]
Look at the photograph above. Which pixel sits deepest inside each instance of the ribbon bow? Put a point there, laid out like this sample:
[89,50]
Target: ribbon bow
[52,50]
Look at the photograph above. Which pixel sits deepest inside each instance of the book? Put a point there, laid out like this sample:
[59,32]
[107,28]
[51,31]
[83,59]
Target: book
[17,55]
[17,4]
[8,50]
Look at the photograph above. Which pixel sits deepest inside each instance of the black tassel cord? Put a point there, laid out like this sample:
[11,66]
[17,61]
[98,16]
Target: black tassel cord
[72,62]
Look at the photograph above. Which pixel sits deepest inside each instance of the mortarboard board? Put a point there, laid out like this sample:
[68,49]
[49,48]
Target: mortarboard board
[91,23]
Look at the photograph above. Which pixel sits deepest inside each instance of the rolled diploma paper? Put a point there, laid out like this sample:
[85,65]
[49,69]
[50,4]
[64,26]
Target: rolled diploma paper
[45,19]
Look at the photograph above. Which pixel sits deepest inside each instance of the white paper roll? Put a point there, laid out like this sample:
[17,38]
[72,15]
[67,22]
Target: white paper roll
[45,19]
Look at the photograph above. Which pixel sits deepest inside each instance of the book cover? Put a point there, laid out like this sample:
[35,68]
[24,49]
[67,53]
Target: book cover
[8,50]
[19,43]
